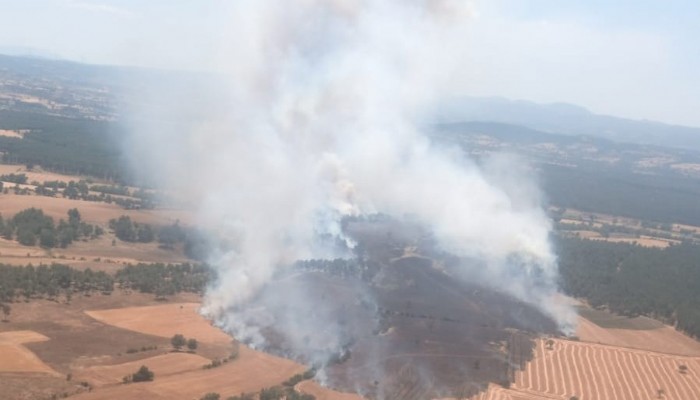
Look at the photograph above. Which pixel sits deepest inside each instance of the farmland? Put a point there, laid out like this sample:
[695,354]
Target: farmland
[564,368]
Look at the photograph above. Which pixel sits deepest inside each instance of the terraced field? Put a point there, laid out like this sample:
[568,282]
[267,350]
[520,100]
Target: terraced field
[562,369]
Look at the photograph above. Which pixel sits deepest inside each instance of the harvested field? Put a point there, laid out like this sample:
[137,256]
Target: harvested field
[645,241]
[37,174]
[11,133]
[250,372]
[496,392]
[90,211]
[663,339]
[14,357]
[605,319]
[162,366]
[164,321]
[322,393]
[592,371]
[97,254]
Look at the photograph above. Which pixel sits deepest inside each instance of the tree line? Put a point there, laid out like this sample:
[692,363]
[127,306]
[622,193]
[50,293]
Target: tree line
[58,280]
[633,280]
[64,145]
[194,242]
[31,227]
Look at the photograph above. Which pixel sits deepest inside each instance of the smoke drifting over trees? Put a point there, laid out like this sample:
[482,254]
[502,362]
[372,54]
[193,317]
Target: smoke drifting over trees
[321,119]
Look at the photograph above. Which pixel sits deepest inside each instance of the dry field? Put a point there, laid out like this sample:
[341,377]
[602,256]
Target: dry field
[11,133]
[90,211]
[37,174]
[593,371]
[663,340]
[164,321]
[14,357]
[250,372]
[98,254]
[322,393]
[161,365]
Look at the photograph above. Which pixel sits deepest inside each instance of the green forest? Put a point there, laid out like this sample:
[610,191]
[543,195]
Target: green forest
[64,145]
[633,280]
[51,281]
[31,227]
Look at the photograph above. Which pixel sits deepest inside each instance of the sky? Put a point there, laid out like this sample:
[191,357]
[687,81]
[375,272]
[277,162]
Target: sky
[638,59]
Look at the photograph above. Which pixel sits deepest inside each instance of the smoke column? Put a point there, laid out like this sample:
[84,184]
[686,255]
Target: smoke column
[322,119]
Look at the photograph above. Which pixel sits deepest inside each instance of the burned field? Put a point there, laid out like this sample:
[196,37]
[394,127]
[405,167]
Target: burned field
[394,323]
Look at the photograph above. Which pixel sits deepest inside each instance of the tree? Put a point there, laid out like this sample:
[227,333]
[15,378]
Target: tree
[211,396]
[6,309]
[143,375]
[683,368]
[242,396]
[192,344]
[178,341]
[74,217]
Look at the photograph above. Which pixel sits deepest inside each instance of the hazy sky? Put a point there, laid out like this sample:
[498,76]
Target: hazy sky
[633,58]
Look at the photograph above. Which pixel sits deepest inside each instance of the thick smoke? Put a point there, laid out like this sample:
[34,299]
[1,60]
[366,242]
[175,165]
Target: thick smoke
[323,118]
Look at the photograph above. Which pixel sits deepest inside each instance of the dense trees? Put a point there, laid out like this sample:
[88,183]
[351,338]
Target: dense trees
[52,281]
[32,226]
[129,231]
[14,178]
[49,282]
[170,278]
[65,145]
[178,341]
[634,280]
[620,191]
[142,375]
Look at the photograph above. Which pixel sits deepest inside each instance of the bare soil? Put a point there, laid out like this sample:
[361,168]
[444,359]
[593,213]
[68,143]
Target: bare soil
[164,320]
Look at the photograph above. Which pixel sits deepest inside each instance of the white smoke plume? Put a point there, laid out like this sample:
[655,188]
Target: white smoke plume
[323,118]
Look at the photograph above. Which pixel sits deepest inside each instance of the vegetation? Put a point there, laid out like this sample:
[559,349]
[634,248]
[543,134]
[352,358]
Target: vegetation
[142,375]
[633,280]
[178,341]
[620,191]
[64,145]
[14,178]
[129,231]
[55,280]
[211,396]
[49,282]
[279,392]
[164,279]
[242,396]
[308,374]
[32,226]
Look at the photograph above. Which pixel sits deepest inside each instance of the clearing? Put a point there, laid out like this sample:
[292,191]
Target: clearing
[14,357]
[161,365]
[164,321]
[250,372]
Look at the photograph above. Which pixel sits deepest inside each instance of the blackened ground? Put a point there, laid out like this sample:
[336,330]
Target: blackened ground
[395,325]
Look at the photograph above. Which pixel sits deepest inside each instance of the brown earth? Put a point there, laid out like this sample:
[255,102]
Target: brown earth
[14,357]
[593,371]
[250,372]
[162,365]
[164,320]
[321,393]
[76,342]
[37,174]
[663,340]
[91,211]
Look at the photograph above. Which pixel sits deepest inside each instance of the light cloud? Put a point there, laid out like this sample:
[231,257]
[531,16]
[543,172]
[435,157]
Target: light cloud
[101,8]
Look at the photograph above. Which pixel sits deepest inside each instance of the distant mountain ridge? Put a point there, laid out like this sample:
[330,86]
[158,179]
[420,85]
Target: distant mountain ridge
[567,119]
